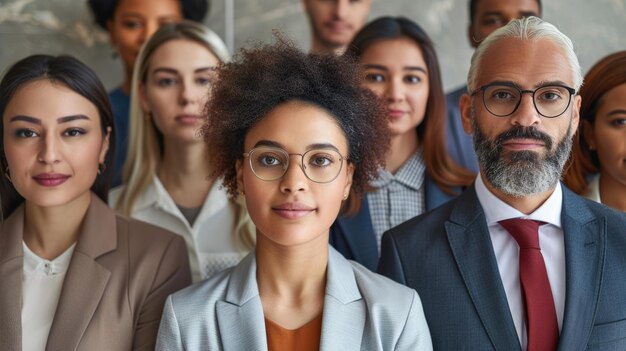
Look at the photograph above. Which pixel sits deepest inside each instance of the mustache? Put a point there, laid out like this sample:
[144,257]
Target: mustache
[519,132]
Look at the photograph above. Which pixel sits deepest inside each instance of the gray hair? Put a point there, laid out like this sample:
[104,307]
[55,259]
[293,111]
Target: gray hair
[527,28]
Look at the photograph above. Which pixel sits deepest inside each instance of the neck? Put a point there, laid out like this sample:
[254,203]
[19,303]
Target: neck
[402,147]
[128,76]
[292,279]
[185,172]
[50,231]
[320,48]
[527,204]
[612,192]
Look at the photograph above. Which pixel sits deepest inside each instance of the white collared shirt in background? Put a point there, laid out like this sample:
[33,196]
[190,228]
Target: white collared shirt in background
[506,250]
[42,281]
[211,240]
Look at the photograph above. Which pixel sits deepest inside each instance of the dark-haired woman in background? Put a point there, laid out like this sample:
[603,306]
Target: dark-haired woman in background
[73,275]
[598,169]
[399,64]
[288,130]
[129,24]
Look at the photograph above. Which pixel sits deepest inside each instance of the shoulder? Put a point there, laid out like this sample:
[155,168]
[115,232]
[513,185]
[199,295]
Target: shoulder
[198,301]
[147,238]
[114,195]
[381,292]
[425,224]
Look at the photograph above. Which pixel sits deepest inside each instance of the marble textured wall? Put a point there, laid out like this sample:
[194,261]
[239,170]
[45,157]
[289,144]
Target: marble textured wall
[65,26]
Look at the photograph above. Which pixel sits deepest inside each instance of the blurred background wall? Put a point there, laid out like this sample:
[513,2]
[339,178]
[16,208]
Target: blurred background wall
[597,28]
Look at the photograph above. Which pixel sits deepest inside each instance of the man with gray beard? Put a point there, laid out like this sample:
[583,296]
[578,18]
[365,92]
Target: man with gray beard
[518,262]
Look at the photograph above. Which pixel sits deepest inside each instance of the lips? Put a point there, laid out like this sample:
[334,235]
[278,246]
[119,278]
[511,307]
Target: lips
[292,210]
[51,179]
[395,113]
[338,26]
[523,144]
[188,119]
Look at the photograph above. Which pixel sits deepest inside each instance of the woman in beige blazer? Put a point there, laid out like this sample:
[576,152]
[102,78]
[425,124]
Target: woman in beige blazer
[73,275]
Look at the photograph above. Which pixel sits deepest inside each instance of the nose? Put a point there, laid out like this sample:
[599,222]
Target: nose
[342,8]
[394,91]
[526,114]
[49,153]
[189,92]
[150,28]
[294,179]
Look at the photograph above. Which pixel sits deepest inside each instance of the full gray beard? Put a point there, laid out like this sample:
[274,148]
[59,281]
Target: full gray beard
[520,173]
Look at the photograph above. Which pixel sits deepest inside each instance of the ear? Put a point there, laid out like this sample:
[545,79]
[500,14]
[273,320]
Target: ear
[349,175]
[109,26]
[105,146]
[239,169]
[465,107]
[587,133]
[471,36]
[141,94]
[576,110]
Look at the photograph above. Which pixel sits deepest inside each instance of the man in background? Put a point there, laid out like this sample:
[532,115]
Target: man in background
[334,23]
[485,17]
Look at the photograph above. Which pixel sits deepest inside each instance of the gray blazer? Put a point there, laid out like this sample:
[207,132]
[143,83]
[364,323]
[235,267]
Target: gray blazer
[362,311]
[447,256]
[112,297]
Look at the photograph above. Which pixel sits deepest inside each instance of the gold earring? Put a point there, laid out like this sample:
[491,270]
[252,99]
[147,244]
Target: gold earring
[243,193]
[101,168]
[7,174]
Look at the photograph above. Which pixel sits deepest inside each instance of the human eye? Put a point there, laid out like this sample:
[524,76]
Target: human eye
[268,159]
[166,81]
[203,80]
[551,94]
[25,133]
[502,94]
[619,122]
[132,24]
[413,79]
[374,77]
[73,132]
[322,160]
[494,21]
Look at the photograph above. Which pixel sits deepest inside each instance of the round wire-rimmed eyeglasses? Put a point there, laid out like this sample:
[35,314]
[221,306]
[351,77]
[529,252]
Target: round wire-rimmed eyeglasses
[320,165]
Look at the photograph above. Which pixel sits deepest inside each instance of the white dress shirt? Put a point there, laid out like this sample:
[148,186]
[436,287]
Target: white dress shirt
[593,190]
[42,281]
[507,251]
[211,241]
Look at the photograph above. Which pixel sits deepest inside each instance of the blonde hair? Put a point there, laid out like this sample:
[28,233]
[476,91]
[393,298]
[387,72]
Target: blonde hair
[145,146]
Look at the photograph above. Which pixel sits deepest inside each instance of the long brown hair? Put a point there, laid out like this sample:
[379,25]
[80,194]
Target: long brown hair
[445,172]
[605,75]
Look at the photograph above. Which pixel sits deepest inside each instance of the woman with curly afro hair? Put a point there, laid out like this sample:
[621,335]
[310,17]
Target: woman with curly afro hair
[295,134]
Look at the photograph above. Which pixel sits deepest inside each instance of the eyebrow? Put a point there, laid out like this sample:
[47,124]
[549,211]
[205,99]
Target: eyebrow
[617,112]
[175,71]
[538,85]
[309,147]
[34,120]
[383,68]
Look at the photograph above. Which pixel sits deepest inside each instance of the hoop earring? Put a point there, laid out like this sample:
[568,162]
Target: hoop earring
[7,174]
[101,168]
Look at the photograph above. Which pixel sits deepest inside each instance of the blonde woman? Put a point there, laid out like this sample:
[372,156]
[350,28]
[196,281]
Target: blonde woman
[167,176]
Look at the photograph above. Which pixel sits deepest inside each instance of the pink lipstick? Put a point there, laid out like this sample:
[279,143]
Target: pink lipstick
[51,179]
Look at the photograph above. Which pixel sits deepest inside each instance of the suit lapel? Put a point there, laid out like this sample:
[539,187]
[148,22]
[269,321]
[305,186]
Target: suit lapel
[471,246]
[584,237]
[344,312]
[11,267]
[86,279]
[242,311]
[359,235]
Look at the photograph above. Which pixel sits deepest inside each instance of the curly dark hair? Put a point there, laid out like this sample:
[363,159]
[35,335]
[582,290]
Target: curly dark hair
[104,10]
[265,76]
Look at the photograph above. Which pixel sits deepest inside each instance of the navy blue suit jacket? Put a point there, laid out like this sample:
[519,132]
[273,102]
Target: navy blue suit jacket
[447,256]
[354,236]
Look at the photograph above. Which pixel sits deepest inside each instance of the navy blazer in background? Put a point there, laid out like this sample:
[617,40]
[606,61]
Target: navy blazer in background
[447,256]
[354,236]
[459,144]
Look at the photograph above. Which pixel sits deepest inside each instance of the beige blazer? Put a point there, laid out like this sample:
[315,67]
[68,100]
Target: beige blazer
[112,297]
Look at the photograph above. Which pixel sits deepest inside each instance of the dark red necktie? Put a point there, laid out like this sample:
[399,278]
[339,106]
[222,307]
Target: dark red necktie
[543,328]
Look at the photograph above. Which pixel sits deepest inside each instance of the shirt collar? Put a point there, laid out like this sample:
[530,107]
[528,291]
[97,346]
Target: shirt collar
[35,264]
[497,210]
[411,174]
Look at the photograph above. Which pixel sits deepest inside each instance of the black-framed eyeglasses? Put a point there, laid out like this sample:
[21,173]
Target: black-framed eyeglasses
[319,165]
[502,99]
